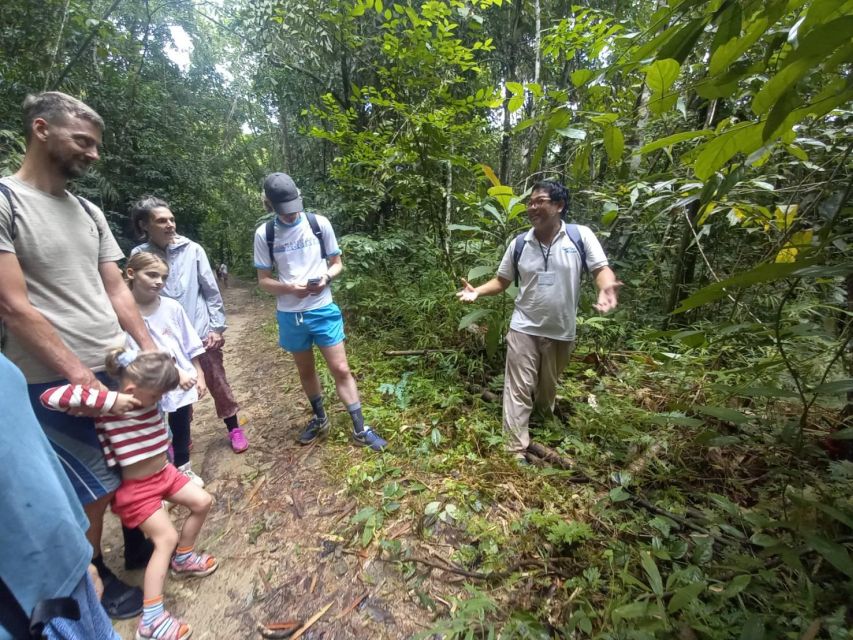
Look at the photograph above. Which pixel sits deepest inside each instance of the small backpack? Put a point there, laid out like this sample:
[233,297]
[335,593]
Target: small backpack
[574,235]
[315,229]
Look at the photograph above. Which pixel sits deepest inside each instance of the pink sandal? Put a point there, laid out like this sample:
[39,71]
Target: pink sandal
[165,627]
[197,565]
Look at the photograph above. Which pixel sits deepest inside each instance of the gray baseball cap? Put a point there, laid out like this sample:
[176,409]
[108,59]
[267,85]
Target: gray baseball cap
[281,191]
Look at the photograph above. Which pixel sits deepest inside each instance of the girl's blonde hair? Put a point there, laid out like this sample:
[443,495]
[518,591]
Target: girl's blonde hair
[143,260]
[152,370]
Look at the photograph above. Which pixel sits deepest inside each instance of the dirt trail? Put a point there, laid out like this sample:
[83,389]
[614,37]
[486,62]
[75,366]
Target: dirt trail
[277,517]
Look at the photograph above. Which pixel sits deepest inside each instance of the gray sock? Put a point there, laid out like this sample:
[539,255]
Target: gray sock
[317,407]
[357,418]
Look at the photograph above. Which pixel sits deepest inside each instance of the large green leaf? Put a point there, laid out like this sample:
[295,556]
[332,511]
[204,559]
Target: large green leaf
[734,48]
[675,138]
[661,74]
[835,387]
[651,569]
[470,318]
[728,25]
[773,89]
[768,272]
[723,413]
[683,42]
[833,553]
[684,596]
[614,143]
[479,272]
[744,137]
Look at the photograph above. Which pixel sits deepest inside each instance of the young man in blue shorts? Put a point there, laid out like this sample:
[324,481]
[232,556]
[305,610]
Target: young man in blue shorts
[301,247]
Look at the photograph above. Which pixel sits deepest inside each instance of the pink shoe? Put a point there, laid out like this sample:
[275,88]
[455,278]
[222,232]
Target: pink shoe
[238,440]
[165,627]
[197,565]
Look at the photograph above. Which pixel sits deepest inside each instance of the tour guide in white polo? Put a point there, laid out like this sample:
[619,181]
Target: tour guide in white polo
[306,313]
[542,330]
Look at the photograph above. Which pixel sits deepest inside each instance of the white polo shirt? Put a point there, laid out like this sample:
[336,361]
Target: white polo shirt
[549,308]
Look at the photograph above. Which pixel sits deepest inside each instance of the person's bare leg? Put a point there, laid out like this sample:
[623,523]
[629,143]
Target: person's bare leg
[307,372]
[336,359]
[198,501]
[95,513]
[160,530]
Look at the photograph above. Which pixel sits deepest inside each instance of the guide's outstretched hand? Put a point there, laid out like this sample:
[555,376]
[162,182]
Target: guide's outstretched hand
[607,298]
[467,293]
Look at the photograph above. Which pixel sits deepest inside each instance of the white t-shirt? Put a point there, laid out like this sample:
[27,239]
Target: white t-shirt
[549,309]
[173,333]
[297,258]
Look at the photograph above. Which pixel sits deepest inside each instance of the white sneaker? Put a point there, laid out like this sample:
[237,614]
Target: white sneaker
[189,473]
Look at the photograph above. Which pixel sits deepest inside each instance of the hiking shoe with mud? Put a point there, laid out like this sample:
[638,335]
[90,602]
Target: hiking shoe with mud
[369,438]
[314,430]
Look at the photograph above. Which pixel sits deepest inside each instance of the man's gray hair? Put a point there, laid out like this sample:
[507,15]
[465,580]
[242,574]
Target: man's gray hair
[54,107]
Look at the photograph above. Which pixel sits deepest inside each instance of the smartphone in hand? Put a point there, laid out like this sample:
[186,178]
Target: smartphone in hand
[313,282]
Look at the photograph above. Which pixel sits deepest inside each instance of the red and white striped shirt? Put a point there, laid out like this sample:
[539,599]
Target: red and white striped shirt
[127,439]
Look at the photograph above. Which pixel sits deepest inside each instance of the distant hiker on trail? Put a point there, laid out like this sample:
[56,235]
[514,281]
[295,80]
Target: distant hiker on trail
[135,439]
[192,283]
[222,273]
[45,551]
[546,262]
[173,333]
[64,304]
[302,248]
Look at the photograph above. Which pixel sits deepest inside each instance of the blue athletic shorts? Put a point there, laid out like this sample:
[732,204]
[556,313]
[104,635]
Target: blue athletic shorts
[298,331]
[75,441]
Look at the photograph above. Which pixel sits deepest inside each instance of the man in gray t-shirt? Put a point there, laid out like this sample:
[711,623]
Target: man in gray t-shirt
[63,300]
[542,329]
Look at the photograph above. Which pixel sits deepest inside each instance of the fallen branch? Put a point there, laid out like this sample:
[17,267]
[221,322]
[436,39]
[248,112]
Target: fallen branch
[416,352]
[353,605]
[311,621]
[485,394]
[278,629]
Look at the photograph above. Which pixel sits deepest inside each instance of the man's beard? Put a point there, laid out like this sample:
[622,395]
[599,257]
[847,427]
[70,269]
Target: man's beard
[70,167]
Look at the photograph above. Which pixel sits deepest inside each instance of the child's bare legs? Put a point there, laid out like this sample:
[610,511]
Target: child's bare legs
[187,562]
[161,532]
[198,501]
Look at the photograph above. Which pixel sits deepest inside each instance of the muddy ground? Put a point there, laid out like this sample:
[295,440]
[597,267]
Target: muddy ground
[279,523]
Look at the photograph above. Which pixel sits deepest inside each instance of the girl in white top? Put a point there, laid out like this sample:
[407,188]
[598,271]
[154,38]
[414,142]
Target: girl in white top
[172,332]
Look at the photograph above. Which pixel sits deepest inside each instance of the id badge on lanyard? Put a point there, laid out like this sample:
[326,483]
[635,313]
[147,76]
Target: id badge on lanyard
[545,278]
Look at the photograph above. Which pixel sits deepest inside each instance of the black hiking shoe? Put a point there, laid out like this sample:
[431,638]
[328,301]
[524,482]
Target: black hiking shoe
[315,429]
[120,600]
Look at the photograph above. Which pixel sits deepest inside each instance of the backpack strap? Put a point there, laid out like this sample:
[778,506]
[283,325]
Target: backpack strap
[269,231]
[13,226]
[575,236]
[318,233]
[516,253]
[13,212]
[85,204]
[14,619]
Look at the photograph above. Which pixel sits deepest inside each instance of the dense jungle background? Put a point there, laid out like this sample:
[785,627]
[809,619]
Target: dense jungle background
[696,480]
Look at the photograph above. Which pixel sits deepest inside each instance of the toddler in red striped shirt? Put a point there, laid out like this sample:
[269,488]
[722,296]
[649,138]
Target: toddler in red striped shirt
[134,437]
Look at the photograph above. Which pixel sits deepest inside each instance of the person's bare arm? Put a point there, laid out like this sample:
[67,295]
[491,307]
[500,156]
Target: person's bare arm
[493,287]
[124,305]
[37,335]
[335,266]
[608,289]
